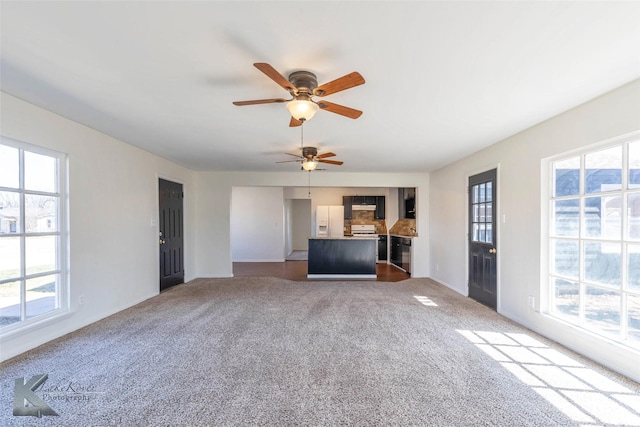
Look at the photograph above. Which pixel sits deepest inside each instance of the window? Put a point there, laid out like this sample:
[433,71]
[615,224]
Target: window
[482,216]
[594,240]
[32,244]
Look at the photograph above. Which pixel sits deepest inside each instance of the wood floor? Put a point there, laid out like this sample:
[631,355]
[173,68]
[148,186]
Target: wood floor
[297,271]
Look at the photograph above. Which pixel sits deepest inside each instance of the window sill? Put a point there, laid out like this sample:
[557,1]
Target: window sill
[618,344]
[34,324]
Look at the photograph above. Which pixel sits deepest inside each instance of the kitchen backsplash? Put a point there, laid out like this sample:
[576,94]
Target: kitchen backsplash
[365,217]
[404,227]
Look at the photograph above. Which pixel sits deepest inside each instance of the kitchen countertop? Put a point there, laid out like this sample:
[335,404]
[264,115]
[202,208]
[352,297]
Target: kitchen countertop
[404,235]
[404,228]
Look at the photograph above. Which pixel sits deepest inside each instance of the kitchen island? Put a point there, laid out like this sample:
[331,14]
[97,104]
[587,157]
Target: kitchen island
[342,258]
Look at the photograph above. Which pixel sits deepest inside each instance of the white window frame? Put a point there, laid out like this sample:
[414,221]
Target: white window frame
[62,248]
[547,276]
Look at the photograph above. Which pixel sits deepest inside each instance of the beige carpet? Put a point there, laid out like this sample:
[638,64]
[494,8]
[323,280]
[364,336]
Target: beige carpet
[266,351]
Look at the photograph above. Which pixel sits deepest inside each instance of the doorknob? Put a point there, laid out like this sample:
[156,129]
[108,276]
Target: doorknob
[492,251]
[161,242]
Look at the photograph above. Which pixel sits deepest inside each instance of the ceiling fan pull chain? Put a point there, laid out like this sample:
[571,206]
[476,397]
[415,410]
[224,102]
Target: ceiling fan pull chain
[309,176]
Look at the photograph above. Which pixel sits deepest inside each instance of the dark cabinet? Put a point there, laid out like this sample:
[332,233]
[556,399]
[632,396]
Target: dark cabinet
[401,252]
[342,257]
[378,201]
[396,251]
[382,248]
[410,208]
[347,202]
[406,203]
[364,200]
[380,207]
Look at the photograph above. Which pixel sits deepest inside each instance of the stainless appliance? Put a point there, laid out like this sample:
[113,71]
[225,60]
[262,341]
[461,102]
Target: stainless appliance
[401,252]
[405,245]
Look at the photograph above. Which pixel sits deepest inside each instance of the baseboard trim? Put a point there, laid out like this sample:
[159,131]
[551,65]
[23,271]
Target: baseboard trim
[341,276]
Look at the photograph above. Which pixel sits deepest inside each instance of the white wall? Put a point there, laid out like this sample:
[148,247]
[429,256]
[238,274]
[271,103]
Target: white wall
[288,226]
[257,224]
[113,199]
[519,160]
[300,224]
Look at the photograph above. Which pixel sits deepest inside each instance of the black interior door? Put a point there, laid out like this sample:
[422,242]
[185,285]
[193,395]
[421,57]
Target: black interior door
[483,282]
[171,234]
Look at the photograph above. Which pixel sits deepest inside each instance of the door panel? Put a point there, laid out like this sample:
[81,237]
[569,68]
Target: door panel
[482,234]
[171,234]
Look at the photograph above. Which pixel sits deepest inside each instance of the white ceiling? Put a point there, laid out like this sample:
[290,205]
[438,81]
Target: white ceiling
[443,79]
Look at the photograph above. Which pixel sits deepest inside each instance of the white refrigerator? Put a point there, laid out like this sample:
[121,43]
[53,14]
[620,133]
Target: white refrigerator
[330,221]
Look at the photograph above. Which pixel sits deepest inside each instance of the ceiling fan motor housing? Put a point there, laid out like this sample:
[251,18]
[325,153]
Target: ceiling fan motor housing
[309,152]
[305,81]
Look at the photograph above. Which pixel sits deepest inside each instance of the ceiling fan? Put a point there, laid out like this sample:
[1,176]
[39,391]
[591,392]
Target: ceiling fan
[310,158]
[303,86]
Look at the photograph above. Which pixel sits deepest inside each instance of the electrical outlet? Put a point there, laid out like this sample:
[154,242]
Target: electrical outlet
[532,301]
[437,267]
[81,299]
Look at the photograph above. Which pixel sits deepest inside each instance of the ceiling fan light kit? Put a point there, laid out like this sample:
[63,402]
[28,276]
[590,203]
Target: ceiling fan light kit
[302,109]
[310,165]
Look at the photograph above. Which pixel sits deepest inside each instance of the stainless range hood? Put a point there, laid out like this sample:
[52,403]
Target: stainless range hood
[363,207]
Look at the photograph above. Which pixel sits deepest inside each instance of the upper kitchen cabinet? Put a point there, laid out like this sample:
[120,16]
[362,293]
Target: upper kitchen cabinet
[347,202]
[407,203]
[364,200]
[375,204]
[380,207]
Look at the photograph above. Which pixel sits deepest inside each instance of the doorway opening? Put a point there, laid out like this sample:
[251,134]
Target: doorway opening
[298,228]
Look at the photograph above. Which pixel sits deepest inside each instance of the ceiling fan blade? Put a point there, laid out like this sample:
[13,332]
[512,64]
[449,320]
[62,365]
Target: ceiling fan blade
[340,109]
[337,85]
[331,162]
[295,155]
[294,122]
[259,101]
[325,155]
[274,75]
[289,161]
